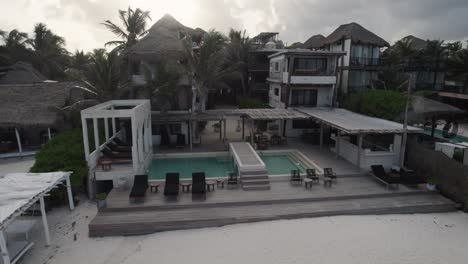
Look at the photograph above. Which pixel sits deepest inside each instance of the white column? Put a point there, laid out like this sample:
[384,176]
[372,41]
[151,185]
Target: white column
[106,128]
[18,140]
[134,145]
[321,135]
[4,249]
[360,136]
[114,128]
[140,143]
[44,221]
[48,132]
[224,122]
[252,125]
[150,132]
[96,133]
[338,139]
[70,195]
[190,134]
[84,126]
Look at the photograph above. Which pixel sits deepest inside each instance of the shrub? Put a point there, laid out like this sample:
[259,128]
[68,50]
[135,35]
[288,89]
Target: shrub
[63,153]
[377,103]
[247,102]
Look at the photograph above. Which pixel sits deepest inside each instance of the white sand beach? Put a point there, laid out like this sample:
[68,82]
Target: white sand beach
[15,165]
[429,238]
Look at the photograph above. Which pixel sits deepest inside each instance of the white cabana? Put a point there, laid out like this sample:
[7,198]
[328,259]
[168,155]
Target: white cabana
[18,192]
[139,114]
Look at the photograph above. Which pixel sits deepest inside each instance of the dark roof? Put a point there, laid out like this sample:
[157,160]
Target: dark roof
[416,43]
[264,36]
[20,72]
[295,45]
[164,38]
[356,33]
[313,42]
[307,52]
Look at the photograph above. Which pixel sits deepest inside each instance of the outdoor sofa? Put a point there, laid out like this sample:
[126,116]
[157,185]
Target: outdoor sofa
[378,171]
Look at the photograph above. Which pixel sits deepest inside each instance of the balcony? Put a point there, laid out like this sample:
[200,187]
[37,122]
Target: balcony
[311,77]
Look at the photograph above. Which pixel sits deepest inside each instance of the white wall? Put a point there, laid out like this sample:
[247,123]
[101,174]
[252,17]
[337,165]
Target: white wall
[275,100]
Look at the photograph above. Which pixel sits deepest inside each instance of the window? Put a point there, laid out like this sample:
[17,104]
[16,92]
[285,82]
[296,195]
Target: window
[277,66]
[276,91]
[315,66]
[304,97]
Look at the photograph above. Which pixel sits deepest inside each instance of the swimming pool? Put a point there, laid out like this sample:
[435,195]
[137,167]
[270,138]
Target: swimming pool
[219,166]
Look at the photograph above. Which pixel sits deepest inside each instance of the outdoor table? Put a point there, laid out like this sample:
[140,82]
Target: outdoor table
[186,186]
[106,165]
[210,185]
[154,187]
[220,182]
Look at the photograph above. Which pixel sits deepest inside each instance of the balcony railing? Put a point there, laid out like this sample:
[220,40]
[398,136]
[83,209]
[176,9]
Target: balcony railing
[313,73]
[361,61]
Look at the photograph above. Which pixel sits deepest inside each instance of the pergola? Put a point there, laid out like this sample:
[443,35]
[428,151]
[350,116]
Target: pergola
[20,191]
[348,122]
[138,112]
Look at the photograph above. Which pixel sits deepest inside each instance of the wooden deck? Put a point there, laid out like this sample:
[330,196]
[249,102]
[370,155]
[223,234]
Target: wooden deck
[350,195]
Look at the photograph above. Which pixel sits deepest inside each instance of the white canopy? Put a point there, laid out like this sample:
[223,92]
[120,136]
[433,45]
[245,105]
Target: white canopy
[353,123]
[19,190]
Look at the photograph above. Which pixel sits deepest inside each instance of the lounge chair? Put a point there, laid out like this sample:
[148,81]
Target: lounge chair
[180,141]
[311,174]
[232,179]
[198,183]
[171,186]
[328,173]
[379,173]
[116,155]
[118,148]
[410,177]
[296,176]
[140,185]
[120,142]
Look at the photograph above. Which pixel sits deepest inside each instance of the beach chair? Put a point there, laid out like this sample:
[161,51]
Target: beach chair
[140,185]
[180,141]
[118,148]
[198,183]
[378,171]
[296,176]
[312,174]
[120,142]
[171,186]
[115,155]
[328,173]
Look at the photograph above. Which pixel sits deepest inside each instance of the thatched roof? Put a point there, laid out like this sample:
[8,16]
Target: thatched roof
[264,37]
[415,42]
[356,33]
[164,38]
[295,45]
[313,42]
[20,72]
[33,104]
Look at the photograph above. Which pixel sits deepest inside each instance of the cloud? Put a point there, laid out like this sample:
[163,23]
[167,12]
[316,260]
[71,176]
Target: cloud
[296,20]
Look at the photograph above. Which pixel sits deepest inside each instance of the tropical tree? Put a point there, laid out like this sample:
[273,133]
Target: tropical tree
[49,54]
[434,53]
[14,48]
[458,66]
[162,84]
[208,67]
[134,27]
[238,55]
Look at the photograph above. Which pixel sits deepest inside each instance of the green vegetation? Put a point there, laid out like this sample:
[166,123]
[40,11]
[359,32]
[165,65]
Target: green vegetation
[64,153]
[101,196]
[377,103]
[248,102]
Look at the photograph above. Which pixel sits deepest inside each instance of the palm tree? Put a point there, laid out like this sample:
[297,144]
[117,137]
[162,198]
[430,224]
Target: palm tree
[458,66]
[49,53]
[14,48]
[134,22]
[162,84]
[238,55]
[433,54]
[207,67]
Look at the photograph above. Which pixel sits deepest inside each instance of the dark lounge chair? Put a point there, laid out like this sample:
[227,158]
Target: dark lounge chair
[118,148]
[171,186]
[140,185]
[328,173]
[120,142]
[116,155]
[233,179]
[180,141]
[296,176]
[198,183]
[410,177]
[312,174]
[379,173]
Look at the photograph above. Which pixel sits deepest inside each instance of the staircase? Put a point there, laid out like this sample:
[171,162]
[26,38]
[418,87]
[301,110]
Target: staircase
[255,180]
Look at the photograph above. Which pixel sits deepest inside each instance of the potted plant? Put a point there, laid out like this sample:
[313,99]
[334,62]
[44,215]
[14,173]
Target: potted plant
[431,183]
[101,200]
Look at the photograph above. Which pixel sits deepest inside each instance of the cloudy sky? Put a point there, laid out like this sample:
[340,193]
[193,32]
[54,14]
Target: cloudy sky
[296,20]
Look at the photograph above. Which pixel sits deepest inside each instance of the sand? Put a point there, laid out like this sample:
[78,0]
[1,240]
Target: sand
[15,165]
[428,238]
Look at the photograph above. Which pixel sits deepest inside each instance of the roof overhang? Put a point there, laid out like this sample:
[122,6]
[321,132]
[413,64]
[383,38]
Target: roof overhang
[353,123]
[112,108]
[308,53]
